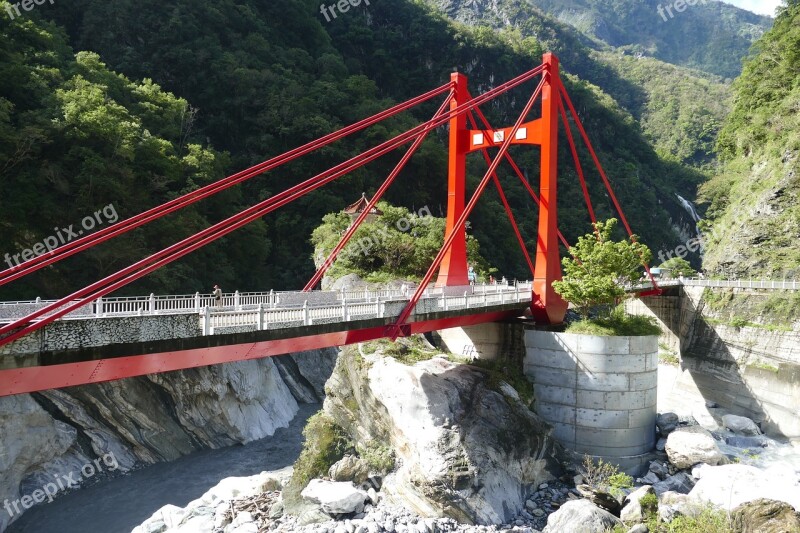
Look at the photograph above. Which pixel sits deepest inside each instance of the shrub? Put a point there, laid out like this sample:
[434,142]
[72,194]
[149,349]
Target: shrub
[618,323]
[378,456]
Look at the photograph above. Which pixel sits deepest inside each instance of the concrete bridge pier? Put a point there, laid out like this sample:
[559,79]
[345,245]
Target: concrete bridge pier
[599,393]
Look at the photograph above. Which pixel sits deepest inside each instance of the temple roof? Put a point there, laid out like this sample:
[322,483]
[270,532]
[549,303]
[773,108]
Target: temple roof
[360,206]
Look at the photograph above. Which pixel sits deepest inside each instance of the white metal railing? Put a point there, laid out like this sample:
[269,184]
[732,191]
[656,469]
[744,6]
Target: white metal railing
[720,283]
[363,305]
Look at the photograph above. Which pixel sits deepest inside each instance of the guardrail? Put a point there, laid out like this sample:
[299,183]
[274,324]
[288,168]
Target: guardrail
[362,306]
[723,284]
[248,301]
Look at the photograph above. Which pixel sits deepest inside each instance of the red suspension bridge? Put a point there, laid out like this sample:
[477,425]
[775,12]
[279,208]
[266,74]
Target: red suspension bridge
[469,131]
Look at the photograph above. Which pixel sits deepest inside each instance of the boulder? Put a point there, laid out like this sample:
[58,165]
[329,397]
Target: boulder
[632,512]
[741,425]
[747,442]
[580,516]
[600,498]
[660,469]
[673,504]
[765,516]
[349,468]
[666,423]
[691,445]
[681,483]
[729,486]
[335,497]
[466,447]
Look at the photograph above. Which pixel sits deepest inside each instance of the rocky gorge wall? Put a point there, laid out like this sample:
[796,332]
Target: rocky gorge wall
[121,425]
[749,367]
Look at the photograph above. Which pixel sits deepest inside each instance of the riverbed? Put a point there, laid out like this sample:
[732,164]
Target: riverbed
[119,505]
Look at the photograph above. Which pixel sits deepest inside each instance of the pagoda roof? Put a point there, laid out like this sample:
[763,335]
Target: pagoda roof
[360,206]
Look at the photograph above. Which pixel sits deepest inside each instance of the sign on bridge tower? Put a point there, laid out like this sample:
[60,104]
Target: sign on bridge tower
[548,306]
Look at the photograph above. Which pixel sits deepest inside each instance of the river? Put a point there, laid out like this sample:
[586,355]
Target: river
[120,504]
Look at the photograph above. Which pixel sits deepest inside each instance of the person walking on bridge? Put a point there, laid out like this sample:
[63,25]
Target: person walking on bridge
[217,296]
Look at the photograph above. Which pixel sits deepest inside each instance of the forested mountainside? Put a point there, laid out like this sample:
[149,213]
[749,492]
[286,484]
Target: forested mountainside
[680,110]
[133,103]
[752,203]
[711,36]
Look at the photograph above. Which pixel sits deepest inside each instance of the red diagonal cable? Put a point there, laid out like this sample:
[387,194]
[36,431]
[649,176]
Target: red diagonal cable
[124,226]
[565,95]
[459,226]
[596,160]
[577,161]
[519,174]
[371,204]
[178,250]
[505,201]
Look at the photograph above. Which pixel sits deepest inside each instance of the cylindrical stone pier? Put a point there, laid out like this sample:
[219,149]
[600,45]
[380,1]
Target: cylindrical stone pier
[599,393]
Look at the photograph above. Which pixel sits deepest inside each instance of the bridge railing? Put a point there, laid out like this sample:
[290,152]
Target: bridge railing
[379,304]
[723,284]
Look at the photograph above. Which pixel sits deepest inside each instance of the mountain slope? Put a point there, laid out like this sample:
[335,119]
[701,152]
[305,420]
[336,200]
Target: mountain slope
[752,203]
[710,36]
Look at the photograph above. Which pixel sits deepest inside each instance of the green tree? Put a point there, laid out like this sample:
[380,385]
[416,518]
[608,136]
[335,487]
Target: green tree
[679,267]
[599,268]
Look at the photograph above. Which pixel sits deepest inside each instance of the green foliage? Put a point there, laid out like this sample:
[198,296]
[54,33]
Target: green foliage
[325,443]
[599,268]
[604,476]
[752,216]
[681,111]
[679,267]
[397,245]
[617,323]
[407,350]
[378,456]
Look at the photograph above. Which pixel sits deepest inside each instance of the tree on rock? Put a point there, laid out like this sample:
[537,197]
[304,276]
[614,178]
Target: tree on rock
[599,268]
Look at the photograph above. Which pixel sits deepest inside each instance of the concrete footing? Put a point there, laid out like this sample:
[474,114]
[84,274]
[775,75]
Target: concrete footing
[599,393]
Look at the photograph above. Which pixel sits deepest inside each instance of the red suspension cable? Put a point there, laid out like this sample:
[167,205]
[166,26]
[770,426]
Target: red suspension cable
[371,204]
[577,161]
[124,226]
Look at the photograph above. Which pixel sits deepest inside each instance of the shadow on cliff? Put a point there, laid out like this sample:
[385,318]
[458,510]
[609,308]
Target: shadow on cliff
[709,359]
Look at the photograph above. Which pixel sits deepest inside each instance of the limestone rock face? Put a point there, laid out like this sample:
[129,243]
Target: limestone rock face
[20,417]
[765,516]
[580,516]
[335,497]
[151,418]
[729,486]
[465,450]
[691,445]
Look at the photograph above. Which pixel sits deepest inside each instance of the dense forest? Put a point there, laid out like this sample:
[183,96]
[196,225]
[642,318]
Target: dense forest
[129,104]
[752,202]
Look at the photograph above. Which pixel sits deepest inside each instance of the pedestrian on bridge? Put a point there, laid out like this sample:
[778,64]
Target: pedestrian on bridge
[217,296]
